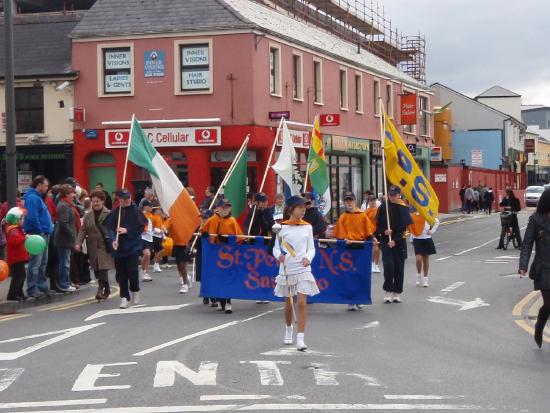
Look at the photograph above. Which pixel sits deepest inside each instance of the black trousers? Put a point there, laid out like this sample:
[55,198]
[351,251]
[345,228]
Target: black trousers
[127,273]
[18,275]
[544,312]
[393,260]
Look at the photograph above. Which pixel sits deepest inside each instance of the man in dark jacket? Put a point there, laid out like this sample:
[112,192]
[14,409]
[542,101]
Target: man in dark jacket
[37,222]
[263,217]
[392,243]
[127,245]
[314,217]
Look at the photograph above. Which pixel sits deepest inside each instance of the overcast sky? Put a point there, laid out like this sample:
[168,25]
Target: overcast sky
[475,44]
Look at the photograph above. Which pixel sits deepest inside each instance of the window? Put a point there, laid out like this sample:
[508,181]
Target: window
[358,93]
[343,89]
[410,128]
[275,70]
[424,123]
[29,109]
[389,100]
[376,97]
[297,82]
[317,82]
[117,65]
[194,68]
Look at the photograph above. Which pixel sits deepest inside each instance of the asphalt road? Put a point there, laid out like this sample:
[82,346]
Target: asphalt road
[453,346]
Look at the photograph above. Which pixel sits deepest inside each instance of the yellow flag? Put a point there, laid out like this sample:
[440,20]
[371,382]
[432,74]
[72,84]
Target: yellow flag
[403,171]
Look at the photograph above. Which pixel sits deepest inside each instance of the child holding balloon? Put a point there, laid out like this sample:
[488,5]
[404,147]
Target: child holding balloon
[17,254]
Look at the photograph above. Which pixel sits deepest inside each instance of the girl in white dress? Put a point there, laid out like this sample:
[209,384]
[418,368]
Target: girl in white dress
[294,249]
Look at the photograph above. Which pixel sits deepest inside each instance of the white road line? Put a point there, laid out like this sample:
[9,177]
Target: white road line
[8,376]
[136,310]
[272,407]
[444,258]
[464,305]
[509,257]
[202,333]
[291,351]
[368,325]
[496,262]
[225,397]
[54,403]
[458,254]
[419,397]
[452,287]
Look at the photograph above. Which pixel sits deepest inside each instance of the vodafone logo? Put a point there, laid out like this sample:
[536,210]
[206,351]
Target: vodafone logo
[330,119]
[206,135]
[117,137]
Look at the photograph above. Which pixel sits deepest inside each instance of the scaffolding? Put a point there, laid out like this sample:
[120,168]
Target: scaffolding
[363,24]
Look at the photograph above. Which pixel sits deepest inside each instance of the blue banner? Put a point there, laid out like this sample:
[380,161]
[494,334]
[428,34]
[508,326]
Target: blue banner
[247,272]
[153,63]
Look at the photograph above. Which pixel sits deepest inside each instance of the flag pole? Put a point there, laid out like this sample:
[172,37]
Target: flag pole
[266,171]
[124,175]
[224,182]
[309,153]
[382,139]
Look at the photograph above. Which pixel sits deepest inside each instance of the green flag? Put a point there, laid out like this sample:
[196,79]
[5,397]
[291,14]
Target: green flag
[235,188]
[318,171]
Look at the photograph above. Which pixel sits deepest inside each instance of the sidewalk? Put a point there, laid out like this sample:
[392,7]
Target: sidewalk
[459,217]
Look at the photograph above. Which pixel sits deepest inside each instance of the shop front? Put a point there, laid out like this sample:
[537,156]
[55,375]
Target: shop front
[199,156]
[53,161]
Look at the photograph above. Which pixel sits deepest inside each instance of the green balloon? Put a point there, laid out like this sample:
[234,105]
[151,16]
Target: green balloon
[35,244]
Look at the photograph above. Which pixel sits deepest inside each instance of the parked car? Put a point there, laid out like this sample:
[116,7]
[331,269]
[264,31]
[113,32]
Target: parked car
[532,195]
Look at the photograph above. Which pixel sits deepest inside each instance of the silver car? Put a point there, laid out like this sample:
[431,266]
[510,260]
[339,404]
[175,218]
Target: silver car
[532,195]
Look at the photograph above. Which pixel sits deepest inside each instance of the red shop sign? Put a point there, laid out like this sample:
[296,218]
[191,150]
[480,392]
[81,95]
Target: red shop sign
[331,119]
[408,109]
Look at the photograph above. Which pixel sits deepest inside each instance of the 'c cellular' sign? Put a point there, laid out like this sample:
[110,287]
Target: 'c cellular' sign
[165,137]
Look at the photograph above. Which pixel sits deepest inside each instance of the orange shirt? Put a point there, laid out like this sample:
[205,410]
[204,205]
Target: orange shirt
[371,215]
[218,225]
[157,221]
[353,226]
[148,215]
[418,224]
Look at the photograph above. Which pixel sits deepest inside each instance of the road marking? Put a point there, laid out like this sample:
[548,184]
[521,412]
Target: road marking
[8,376]
[291,351]
[496,262]
[419,397]
[464,305]
[368,325]
[92,372]
[78,303]
[54,403]
[226,397]
[444,258]
[202,333]
[136,310]
[325,377]
[270,375]
[476,248]
[509,257]
[62,335]
[518,308]
[452,287]
[166,373]
[273,407]
[13,317]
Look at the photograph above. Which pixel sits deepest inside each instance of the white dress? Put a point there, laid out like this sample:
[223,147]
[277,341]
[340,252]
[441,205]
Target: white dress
[293,276]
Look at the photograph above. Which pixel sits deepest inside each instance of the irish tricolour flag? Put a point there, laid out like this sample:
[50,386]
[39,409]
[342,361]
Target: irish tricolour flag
[173,198]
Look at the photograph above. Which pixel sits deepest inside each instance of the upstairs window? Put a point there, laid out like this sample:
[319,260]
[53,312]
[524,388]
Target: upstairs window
[29,109]
[195,67]
[358,93]
[117,71]
[424,123]
[317,82]
[343,89]
[376,97]
[297,77]
[389,100]
[275,70]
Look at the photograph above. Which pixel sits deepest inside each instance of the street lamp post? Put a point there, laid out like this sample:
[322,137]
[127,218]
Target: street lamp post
[11,151]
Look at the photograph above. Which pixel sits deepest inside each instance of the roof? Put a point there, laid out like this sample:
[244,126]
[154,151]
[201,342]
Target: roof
[134,17]
[41,49]
[504,115]
[525,108]
[497,92]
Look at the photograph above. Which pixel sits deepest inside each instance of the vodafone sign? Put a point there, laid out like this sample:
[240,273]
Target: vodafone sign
[162,137]
[329,120]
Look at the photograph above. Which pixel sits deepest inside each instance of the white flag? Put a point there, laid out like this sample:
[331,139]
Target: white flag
[287,164]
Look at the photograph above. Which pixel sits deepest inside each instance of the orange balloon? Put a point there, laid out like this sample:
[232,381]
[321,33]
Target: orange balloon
[4,270]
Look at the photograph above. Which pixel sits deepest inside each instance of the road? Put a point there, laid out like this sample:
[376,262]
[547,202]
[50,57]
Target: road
[461,344]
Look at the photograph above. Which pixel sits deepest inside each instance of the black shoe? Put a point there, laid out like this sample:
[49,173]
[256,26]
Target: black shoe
[539,329]
[205,301]
[21,297]
[9,298]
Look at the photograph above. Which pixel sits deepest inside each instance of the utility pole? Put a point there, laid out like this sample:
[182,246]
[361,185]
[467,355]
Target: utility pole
[11,151]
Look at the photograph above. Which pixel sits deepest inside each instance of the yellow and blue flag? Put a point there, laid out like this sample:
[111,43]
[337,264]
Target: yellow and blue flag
[403,171]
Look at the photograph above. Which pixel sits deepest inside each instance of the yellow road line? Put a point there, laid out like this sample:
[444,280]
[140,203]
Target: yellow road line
[527,327]
[517,311]
[534,308]
[13,317]
[84,301]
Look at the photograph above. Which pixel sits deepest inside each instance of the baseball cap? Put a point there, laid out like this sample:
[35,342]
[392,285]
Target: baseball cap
[349,195]
[295,201]
[394,190]
[123,193]
[223,202]
[71,181]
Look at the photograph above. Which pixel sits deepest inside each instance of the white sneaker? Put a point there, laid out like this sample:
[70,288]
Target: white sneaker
[300,344]
[396,298]
[184,289]
[351,307]
[289,334]
[146,277]
[373,267]
[156,268]
[359,306]
[387,297]
[135,297]
[425,284]
[377,269]
[123,303]
[418,280]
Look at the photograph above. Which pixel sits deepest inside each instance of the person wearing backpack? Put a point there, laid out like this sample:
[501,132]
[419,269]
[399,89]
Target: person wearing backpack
[538,234]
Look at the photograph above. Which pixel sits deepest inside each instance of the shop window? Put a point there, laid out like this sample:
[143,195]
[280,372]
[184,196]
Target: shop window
[117,70]
[389,100]
[193,67]
[358,93]
[424,122]
[343,89]
[29,109]
[275,70]
[346,174]
[297,77]
[376,97]
[317,82]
